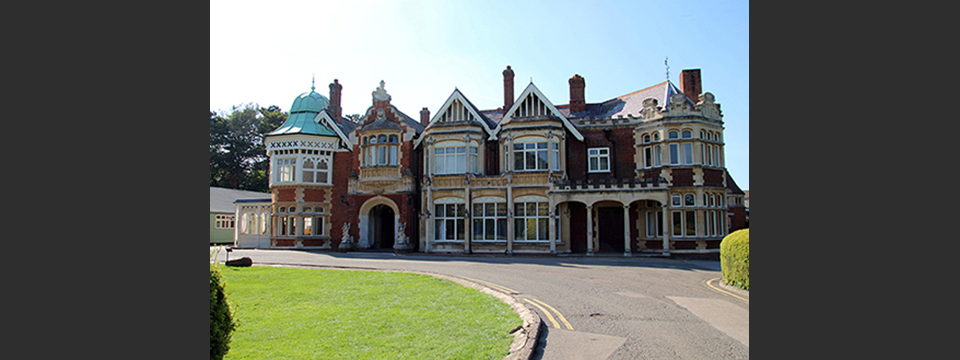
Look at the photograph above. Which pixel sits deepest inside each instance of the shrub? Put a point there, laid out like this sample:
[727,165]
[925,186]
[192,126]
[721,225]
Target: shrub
[221,319]
[735,258]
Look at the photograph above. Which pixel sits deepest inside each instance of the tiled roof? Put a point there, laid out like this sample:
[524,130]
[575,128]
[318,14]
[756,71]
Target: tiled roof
[221,199]
[732,187]
[302,122]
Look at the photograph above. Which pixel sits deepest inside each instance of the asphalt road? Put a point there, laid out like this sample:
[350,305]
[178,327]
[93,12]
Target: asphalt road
[592,307]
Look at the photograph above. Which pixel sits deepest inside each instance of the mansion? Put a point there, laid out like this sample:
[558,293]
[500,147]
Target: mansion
[639,173]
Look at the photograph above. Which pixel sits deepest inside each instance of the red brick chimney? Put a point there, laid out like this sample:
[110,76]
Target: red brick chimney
[577,103]
[690,84]
[507,89]
[424,117]
[334,106]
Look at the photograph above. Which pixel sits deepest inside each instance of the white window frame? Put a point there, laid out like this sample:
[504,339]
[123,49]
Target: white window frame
[224,222]
[316,171]
[687,151]
[522,219]
[674,154]
[654,224]
[528,148]
[494,220]
[455,222]
[600,154]
[286,169]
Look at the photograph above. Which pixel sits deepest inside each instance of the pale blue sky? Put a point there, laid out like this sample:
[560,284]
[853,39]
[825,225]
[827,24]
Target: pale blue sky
[266,52]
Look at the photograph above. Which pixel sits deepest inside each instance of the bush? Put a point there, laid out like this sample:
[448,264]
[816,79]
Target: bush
[221,319]
[735,258]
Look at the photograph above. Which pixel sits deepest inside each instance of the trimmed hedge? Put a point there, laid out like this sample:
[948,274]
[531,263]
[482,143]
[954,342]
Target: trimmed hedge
[221,319]
[735,258]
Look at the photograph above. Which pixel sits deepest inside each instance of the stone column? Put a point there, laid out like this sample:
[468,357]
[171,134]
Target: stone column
[590,230]
[626,230]
[667,224]
[552,232]
[510,214]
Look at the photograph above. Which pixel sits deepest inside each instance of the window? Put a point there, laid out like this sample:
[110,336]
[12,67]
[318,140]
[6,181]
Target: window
[712,203]
[656,155]
[316,170]
[489,221]
[684,223]
[248,223]
[686,134]
[674,154]
[380,150]
[531,221]
[285,169]
[675,199]
[689,200]
[687,153]
[532,156]
[647,157]
[556,155]
[313,226]
[599,159]
[451,160]
[224,222]
[673,134]
[654,224]
[646,138]
[656,136]
[448,224]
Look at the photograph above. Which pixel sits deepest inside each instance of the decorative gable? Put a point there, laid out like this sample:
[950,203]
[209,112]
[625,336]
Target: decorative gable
[459,110]
[325,119]
[534,104]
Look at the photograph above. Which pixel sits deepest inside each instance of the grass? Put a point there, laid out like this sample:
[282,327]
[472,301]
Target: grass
[290,313]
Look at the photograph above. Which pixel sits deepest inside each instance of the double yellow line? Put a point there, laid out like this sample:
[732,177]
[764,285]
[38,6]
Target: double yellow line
[537,303]
[724,291]
[533,302]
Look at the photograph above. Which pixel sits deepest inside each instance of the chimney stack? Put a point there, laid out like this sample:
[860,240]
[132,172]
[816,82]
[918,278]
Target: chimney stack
[424,117]
[334,106]
[507,89]
[577,102]
[690,84]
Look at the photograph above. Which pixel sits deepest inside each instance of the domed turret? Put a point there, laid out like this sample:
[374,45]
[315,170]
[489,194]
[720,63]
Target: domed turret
[311,101]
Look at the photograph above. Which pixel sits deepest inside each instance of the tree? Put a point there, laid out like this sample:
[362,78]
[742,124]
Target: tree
[238,158]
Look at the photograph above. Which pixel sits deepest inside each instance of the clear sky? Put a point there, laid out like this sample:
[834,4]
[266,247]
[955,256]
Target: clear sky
[267,52]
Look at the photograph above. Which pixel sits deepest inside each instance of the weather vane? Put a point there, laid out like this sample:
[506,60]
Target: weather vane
[668,67]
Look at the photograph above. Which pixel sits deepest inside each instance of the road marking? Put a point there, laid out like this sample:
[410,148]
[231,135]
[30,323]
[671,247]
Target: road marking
[502,289]
[724,291]
[555,323]
[559,315]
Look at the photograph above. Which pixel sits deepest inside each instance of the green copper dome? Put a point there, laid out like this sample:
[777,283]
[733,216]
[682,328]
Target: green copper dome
[311,101]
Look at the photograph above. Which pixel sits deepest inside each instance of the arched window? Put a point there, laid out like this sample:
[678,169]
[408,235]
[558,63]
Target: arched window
[689,200]
[673,134]
[656,136]
[646,138]
[686,134]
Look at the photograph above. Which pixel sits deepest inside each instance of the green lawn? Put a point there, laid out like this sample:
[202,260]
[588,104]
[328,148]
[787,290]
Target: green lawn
[290,313]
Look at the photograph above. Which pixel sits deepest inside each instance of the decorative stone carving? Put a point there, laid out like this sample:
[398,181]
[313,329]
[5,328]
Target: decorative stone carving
[381,94]
[346,241]
[402,242]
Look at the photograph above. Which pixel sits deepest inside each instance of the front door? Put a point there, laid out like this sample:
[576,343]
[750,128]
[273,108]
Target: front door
[610,227]
[382,227]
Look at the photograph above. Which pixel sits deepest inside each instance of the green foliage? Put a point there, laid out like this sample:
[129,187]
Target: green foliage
[222,324]
[735,258]
[238,157]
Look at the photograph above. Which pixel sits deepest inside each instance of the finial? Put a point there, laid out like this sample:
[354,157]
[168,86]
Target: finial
[668,67]
[313,80]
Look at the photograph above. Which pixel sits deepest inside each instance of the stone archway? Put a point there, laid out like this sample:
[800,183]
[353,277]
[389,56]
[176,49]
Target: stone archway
[382,226]
[379,217]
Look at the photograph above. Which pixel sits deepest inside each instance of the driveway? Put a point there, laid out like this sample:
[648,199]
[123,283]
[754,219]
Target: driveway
[592,307]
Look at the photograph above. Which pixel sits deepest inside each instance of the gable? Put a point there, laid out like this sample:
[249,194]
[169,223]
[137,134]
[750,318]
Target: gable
[459,109]
[533,103]
[324,119]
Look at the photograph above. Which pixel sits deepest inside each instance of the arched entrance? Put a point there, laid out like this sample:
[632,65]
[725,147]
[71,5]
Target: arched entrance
[381,229]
